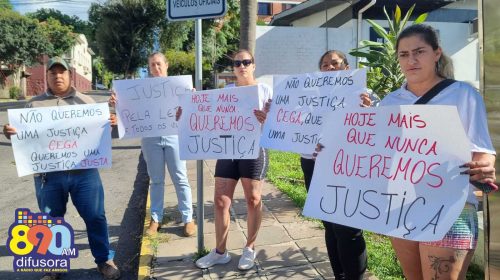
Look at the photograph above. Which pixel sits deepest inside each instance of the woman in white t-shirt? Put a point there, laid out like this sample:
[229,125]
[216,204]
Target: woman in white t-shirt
[251,172]
[424,65]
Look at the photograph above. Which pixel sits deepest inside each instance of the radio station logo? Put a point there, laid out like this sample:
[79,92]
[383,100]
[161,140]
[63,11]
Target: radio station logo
[40,243]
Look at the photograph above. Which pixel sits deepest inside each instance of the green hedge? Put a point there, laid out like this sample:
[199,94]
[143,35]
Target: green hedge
[14,92]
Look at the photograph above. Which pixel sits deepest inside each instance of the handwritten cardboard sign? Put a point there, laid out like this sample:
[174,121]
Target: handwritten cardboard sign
[393,170]
[61,138]
[219,124]
[146,107]
[300,103]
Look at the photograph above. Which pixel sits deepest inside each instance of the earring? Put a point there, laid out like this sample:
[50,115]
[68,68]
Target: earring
[438,65]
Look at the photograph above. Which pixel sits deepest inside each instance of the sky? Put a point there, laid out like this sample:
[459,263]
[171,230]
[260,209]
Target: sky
[78,8]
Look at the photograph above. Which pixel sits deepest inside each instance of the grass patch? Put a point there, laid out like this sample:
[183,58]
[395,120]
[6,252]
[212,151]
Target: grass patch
[200,254]
[285,173]
[475,272]
[156,240]
[382,260]
[154,243]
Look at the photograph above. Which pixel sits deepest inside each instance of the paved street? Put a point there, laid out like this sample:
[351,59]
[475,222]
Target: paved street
[125,194]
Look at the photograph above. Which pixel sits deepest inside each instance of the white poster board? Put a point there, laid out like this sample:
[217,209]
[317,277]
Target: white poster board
[61,138]
[393,170]
[300,103]
[220,124]
[146,107]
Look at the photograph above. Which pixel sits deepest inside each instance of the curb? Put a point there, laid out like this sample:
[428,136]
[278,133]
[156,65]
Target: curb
[12,105]
[146,254]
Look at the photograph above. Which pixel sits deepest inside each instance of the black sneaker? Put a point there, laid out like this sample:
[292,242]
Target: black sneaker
[109,270]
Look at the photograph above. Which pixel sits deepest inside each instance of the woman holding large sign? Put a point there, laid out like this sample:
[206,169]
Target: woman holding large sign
[345,245]
[425,66]
[251,172]
[161,151]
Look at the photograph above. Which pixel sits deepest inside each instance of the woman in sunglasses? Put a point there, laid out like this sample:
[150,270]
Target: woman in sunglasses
[251,172]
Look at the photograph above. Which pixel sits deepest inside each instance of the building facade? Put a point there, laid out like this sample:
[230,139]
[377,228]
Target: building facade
[79,58]
[489,38]
[307,30]
[268,8]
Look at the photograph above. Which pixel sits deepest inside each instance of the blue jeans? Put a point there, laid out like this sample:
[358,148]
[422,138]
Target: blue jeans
[158,152]
[85,187]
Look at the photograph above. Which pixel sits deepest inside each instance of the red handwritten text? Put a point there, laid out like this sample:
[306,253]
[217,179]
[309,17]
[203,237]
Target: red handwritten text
[62,144]
[359,119]
[409,121]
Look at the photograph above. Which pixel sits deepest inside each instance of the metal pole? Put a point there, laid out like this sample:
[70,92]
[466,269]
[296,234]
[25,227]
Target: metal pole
[199,163]
[486,210]
[360,22]
[326,26]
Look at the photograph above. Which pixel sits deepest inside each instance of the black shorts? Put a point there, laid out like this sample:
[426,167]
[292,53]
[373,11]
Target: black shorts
[255,169]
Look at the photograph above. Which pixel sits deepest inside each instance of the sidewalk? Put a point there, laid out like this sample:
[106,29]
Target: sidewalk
[288,246]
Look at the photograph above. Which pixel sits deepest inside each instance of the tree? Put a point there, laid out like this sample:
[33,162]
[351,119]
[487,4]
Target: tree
[5,5]
[220,37]
[126,32]
[60,36]
[101,71]
[176,34]
[180,62]
[79,26]
[95,19]
[248,22]
[385,75]
[22,40]
[141,23]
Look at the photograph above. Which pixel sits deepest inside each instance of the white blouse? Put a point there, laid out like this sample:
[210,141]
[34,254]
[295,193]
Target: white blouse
[471,110]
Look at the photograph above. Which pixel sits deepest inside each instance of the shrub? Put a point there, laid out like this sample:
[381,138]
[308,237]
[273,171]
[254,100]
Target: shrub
[180,62]
[384,74]
[14,92]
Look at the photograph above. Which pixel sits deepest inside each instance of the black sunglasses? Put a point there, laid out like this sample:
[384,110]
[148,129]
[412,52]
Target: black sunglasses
[245,62]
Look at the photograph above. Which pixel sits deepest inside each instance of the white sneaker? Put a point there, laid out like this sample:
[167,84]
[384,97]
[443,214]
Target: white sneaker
[212,259]
[247,259]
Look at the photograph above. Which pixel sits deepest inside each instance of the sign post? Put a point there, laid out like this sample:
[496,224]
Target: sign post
[199,163]
[178,10]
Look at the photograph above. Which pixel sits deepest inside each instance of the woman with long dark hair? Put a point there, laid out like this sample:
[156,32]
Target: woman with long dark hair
[425,65]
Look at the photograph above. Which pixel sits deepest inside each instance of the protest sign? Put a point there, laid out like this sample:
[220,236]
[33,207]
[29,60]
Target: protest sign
[300,103]
[146,107]
[393,170]
[220,124]
[61,138]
